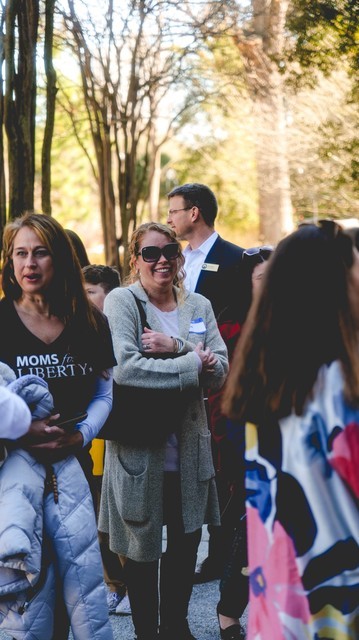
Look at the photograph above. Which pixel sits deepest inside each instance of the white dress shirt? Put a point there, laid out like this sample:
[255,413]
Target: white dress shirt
[194,259]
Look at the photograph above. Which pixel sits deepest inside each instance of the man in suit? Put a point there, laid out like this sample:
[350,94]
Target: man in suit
[212,264]
[212,268]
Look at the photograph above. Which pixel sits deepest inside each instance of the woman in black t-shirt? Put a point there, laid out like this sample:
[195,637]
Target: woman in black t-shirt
[50,329]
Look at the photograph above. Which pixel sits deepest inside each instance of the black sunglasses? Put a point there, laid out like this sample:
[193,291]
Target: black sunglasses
[153,253]
[261,252]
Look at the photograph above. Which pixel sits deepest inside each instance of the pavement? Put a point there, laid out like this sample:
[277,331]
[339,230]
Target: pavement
[202,610]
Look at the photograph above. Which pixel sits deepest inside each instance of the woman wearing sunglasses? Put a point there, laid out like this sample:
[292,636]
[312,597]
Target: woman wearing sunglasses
[173,481]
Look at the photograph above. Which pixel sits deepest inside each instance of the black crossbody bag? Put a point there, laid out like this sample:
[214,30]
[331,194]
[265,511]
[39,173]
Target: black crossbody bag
[144,417]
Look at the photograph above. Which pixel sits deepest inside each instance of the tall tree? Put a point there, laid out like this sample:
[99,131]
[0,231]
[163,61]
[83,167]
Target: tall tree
[2,150]
[326,33]
[21,30]
[262,50]
[129,62]
[253,37]
[98,99]
[20,47]
[270,35]
[51,90]
[324,148]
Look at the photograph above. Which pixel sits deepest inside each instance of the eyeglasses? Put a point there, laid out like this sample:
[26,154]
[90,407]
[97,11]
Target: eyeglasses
[152,253]
[261,252]
[170,211]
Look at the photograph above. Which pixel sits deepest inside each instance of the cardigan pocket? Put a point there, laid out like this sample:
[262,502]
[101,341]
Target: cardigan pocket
[205,462]
[132,494]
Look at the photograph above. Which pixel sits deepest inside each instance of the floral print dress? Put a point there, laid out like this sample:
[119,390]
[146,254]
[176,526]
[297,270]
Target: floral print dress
[302,483]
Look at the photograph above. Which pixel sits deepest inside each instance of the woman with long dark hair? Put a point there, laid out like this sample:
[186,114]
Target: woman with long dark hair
[295,382]
[229,438]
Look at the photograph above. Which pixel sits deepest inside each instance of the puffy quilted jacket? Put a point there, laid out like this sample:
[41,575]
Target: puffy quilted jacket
[41,540]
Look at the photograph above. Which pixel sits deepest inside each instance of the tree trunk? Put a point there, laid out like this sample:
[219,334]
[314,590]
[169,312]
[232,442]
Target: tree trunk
[100,119]
[2,157]
[127,224]
[22,18]
[102,144]
[51,91]
[274,203]
[262,52]
[155,182]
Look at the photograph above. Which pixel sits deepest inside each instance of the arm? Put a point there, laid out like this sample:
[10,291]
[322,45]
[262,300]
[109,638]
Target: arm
[51,443]
[98,409]
[15,416]
[133,368]
[162,343]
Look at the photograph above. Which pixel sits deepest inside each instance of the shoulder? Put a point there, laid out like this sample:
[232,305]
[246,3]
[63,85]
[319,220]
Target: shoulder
[229,248]
[95,341]
[225,254]
[6,310]
[6,304]
[100,318]
[197,300]
[330,380]
[121,302]
[119,296]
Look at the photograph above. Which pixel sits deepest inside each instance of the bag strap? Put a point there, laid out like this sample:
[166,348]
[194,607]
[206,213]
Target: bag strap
[162,356]
[141,312]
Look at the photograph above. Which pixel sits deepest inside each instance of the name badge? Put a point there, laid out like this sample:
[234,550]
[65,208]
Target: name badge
[197,326]
[207,266]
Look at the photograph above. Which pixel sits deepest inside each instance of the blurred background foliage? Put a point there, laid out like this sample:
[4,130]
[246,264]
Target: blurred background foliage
[258,100]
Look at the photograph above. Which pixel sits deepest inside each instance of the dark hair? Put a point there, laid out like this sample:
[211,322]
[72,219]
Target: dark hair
[107,277]
[198,195]
[301,320]
[353,233]
[79,247]
[240,304]
[66,295]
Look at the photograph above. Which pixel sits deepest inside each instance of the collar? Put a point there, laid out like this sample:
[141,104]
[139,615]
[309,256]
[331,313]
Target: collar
[205,247]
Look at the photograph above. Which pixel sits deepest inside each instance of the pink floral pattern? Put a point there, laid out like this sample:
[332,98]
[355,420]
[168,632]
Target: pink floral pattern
[275,583]
[345,458]
[302,484]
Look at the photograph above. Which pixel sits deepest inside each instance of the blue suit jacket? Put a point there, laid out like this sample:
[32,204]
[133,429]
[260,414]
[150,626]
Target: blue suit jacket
[221,285]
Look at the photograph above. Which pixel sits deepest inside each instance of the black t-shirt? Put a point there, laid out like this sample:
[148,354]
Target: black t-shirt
[71,379]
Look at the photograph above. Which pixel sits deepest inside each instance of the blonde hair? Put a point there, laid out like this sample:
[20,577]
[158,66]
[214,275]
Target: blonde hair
[134,248]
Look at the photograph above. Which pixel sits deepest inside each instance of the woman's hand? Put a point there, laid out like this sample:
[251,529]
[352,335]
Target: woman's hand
[54,450]
[40,431]
[49,443]
[208,358]
[156,342]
